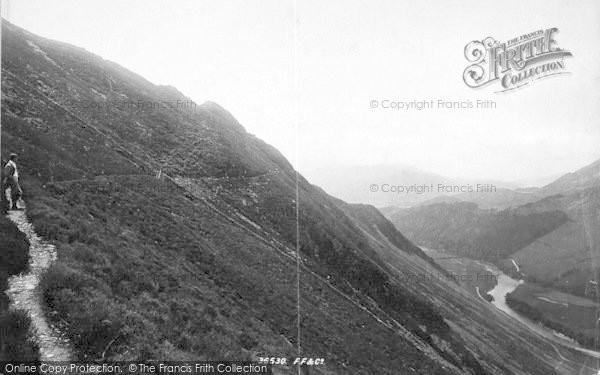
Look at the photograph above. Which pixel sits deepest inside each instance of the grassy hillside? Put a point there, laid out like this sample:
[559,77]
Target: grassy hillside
[567,257]
[167,269]
[582,179]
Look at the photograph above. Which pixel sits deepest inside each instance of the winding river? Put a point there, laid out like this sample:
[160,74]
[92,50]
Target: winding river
[506,285]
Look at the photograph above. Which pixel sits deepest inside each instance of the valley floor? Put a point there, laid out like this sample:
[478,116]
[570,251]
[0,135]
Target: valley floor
[579,312]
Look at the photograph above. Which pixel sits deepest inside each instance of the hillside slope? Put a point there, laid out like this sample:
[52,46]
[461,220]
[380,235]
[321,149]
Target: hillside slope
[567,258]
[582,179]
[201,264]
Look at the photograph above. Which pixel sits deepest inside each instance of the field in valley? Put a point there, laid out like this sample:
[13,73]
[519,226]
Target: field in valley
[574,316]
[469,273]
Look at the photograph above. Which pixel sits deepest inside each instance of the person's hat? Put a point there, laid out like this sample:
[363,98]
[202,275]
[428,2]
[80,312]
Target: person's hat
[12,156]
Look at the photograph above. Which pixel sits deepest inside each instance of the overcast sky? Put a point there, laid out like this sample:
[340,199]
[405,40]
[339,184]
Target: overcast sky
[349,52]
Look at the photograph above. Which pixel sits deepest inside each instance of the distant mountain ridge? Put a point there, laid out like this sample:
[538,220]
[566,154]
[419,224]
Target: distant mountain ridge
[580,180]
[353,184]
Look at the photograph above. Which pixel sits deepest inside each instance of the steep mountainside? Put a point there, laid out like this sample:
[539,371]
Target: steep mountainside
[200,264]
[176,234]
[567,258]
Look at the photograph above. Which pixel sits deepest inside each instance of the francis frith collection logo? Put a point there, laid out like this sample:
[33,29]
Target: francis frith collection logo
[515,63]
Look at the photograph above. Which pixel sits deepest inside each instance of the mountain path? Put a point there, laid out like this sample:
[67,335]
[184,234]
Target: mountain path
[24,293]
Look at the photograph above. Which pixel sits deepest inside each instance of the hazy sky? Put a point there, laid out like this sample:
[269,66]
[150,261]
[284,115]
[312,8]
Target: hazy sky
[349,52]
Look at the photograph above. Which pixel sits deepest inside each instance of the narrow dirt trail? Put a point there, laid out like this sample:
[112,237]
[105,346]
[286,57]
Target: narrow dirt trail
[24,293]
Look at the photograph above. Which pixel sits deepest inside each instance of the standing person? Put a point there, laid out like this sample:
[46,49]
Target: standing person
[11,180]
